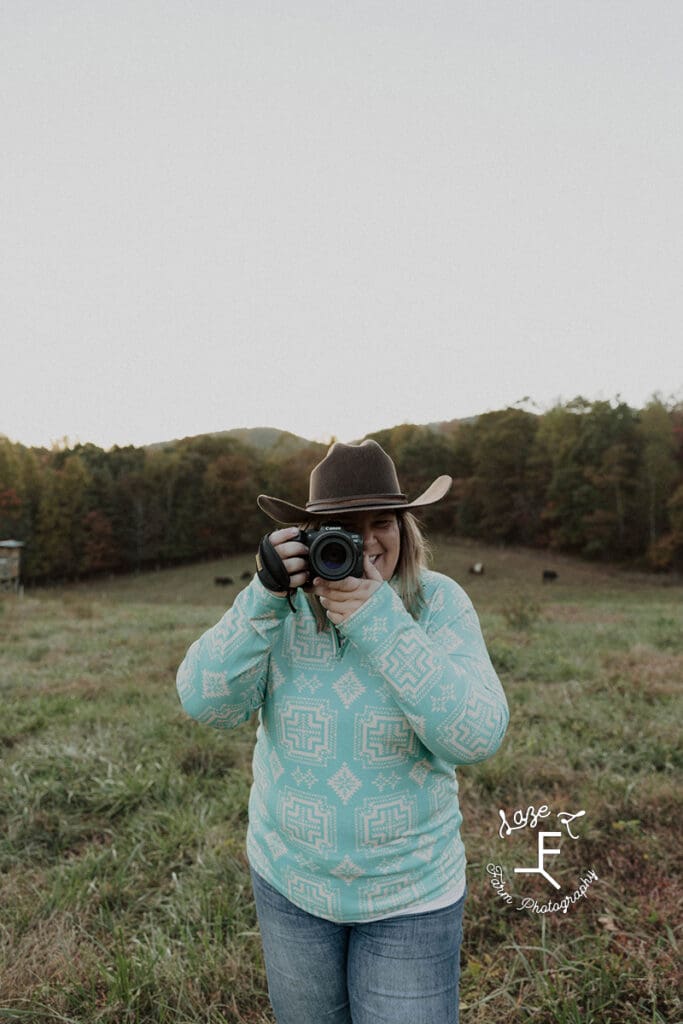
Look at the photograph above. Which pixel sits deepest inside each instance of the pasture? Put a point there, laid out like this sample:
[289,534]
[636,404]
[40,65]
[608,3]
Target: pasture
[124,888]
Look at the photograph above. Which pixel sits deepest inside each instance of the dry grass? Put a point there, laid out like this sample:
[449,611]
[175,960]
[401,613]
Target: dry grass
[123,881]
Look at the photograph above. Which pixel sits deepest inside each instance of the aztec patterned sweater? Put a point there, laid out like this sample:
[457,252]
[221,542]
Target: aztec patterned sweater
[353,813]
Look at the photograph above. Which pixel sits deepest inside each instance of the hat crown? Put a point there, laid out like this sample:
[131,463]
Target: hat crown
[354,471]
[352,478]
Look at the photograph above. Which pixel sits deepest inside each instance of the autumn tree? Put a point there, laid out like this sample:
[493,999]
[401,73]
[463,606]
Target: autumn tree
[11,501]
[231,518]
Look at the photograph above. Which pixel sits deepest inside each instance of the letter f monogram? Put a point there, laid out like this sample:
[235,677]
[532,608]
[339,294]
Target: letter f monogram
[540,870]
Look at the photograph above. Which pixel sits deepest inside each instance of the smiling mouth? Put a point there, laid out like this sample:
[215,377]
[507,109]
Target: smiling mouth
[373,558]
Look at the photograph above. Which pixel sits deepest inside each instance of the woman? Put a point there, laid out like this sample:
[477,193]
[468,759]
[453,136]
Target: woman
[370,690]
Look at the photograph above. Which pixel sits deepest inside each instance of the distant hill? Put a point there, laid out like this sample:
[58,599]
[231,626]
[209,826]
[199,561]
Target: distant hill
[270,437]
[286,443]
[261,438]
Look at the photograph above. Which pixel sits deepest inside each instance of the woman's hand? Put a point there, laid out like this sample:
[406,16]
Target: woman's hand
[341,598]
[293,554]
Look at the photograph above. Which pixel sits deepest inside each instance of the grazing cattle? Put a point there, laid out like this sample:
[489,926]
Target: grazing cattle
[246,575]
[477,569]
[549,575]
[223,581]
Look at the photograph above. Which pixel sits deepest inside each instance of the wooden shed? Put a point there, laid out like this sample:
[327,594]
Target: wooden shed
[10,564]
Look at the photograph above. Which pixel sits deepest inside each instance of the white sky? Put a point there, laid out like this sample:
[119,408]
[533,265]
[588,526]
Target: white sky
[334,217]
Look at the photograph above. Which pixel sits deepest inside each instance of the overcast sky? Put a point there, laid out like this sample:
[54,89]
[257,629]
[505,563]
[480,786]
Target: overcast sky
[334,217]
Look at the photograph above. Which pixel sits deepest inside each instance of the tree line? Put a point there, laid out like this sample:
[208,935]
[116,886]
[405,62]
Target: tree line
[599,479]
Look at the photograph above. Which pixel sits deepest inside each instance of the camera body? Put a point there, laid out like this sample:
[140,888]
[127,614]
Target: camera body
[333,552]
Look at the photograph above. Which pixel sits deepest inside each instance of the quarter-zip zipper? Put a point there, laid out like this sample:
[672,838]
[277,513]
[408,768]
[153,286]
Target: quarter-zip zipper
[338,641]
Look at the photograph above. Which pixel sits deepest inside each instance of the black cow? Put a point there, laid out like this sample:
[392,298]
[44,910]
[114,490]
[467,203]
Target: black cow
[549,575]
[223,581]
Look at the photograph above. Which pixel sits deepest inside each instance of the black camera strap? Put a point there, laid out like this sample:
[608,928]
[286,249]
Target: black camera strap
[271,571]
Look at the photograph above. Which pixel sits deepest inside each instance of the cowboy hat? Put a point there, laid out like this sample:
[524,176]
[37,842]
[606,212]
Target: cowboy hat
[352,478]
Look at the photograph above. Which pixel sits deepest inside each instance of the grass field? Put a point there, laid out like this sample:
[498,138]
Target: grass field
[124,890]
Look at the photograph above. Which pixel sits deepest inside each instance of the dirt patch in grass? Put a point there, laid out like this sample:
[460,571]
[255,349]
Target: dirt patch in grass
[18,887]
[580,613]
[81,607]
[195,759]
[86,688]
[48,955]
[659,801]
[652,672]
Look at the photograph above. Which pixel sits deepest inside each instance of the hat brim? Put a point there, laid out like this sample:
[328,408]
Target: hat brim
[291,515]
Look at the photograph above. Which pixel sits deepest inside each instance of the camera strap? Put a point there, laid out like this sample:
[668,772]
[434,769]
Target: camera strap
[271,571]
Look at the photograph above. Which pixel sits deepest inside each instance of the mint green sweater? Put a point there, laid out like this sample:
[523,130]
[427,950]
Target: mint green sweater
[353,812]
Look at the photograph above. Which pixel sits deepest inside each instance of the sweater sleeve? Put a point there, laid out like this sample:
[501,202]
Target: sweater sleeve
[222,678]
[438,669]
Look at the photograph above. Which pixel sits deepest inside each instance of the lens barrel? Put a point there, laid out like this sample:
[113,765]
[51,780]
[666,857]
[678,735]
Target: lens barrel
[332,555]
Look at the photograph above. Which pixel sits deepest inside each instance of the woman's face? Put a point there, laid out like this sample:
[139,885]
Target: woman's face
[381,538]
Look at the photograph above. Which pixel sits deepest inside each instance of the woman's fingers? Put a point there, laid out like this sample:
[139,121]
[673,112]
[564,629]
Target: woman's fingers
[299,579]
[346,586]
[369,570]
[290,549]
[280,536]
[295,564]
[341,598]
[336,596]
[293,554]
[298,571]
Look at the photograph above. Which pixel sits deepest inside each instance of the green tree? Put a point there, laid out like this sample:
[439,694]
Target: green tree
[610,445]
[10,468]
[99,550]
[659,471]
[675,507]
[139,527]
[125,468]
[11,514]
[421,454]
[60,520]
[467,510]
[667,551]
[286,474]
[591,496]
[567,498]
[501,480]
[231,518]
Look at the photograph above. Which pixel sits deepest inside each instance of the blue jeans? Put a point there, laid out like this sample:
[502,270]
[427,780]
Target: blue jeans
[402,970]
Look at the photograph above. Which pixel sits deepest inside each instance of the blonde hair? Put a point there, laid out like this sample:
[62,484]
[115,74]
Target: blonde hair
[412,559]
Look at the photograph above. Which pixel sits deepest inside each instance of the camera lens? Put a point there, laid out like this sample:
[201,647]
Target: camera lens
[332,557]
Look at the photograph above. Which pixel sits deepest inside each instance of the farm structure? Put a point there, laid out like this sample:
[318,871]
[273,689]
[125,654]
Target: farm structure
[10,564]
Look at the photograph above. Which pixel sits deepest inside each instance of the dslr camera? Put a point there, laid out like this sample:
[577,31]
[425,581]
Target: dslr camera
[333,552]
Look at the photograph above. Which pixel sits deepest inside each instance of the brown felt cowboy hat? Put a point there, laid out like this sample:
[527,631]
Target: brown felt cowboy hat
[352,478]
